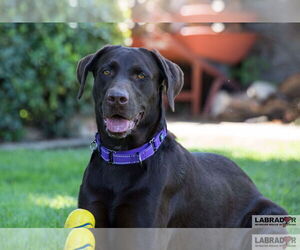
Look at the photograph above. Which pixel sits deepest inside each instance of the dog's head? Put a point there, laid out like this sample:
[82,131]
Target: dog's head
[128,83]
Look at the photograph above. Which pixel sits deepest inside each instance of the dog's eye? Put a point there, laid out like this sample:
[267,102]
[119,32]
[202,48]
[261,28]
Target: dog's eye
[141,76]
[106,72]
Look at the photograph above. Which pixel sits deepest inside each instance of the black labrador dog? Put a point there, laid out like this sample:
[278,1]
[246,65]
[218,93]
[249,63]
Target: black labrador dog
[167,186]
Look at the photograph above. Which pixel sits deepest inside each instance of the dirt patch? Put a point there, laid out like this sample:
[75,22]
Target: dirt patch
[266,136]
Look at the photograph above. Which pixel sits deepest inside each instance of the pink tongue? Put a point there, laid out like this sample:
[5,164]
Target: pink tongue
[118,125]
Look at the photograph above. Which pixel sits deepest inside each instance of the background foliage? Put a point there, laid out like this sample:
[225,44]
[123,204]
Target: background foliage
[38,83]
[62,10]
[249,70]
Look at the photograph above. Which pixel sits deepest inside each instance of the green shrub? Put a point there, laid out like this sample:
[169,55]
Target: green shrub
[249,70]
[63,10]
[38,84]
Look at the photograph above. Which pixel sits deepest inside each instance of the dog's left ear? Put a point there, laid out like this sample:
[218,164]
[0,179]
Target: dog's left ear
[86,64]
[173,77]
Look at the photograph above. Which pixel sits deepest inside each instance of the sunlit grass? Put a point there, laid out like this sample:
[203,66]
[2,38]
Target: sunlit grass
[56,202]
[40,188]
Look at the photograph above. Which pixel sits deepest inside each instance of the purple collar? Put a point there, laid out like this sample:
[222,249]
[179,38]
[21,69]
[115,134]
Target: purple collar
[137,155]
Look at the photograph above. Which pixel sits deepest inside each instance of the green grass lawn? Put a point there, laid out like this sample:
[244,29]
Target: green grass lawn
[39,188]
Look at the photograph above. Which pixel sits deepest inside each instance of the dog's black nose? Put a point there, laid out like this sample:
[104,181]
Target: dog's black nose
[117,96]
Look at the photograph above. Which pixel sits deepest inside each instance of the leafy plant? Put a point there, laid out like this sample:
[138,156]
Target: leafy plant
[63,11]
[249,70]
[38,84]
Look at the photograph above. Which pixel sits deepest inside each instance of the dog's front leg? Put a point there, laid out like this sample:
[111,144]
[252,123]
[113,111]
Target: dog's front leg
[141,215]
[89,202]
[100,213]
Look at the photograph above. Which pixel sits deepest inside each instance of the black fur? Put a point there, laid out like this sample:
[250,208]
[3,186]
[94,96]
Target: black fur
[173,188]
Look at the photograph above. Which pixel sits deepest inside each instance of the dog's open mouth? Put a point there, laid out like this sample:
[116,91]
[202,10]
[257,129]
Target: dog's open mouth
[119,125]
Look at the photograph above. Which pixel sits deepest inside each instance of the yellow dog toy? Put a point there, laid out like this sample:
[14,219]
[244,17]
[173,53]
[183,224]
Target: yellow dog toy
[80,218]
[80,237]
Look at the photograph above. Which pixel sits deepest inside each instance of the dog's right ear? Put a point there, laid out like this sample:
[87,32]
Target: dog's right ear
[86,64]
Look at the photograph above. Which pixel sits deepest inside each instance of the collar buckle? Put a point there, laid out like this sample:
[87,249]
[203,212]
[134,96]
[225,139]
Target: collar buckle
[139,158]
[111,157]
[152,142]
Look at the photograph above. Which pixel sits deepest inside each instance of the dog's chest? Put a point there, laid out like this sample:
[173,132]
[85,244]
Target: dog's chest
[119,178]
[118,181]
